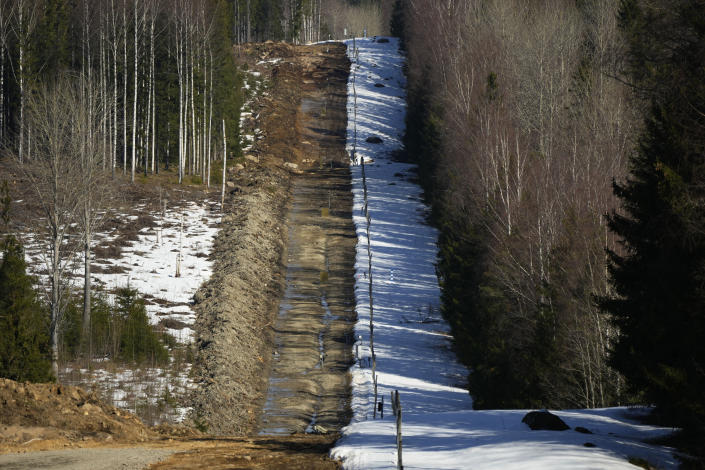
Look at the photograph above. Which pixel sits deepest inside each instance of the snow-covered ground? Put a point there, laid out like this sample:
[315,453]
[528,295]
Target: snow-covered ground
[149,263]
[440,429]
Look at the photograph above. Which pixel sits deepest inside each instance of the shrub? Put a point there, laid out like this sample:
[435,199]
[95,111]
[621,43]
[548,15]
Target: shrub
[138,340]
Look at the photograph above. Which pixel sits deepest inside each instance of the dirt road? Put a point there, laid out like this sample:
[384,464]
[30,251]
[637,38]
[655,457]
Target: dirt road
[129,458]
[308,384]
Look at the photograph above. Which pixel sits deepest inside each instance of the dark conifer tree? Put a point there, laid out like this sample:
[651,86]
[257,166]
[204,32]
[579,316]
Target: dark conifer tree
[24,327]
[659,277]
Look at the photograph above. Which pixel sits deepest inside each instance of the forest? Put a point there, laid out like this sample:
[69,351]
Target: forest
[94,94]
[561,146]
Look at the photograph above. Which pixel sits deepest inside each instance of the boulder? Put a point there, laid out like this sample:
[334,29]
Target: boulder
[544,421]
[373,139]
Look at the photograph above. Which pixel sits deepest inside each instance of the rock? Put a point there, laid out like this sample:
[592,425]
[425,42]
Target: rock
[229,184]
[373,139]
[589,444]
[239,167]
[252,158]
[582,430]
[379,85]
[88,408]
[544,421]
[382,40]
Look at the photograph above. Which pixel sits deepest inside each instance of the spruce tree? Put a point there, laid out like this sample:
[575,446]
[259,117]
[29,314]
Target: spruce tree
[24,326]
[659,276]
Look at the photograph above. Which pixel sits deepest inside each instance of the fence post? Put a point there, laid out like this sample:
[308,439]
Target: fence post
[374,411]
[397,412]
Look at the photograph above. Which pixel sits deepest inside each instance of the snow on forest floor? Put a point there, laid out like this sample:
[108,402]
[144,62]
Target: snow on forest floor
[412,345]
[148,265]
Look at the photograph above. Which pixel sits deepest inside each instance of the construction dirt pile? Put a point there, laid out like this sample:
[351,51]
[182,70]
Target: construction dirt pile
[46,413]
[238,306]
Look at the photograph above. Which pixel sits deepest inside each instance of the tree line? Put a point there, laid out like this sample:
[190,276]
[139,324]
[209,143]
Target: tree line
[562,288]
[162,73]
[303,21]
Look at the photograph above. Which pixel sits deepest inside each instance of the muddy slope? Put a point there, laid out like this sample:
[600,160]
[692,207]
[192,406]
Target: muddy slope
[237,308]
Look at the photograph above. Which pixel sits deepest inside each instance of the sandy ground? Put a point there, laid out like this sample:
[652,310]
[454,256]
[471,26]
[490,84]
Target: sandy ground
[129,458]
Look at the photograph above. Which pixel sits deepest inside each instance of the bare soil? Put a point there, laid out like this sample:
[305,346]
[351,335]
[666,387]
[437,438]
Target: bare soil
[45,416]
[298,452]
[309,384]
[303,120]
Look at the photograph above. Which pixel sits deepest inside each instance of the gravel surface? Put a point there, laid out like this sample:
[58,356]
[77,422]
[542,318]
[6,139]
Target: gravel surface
[85,459]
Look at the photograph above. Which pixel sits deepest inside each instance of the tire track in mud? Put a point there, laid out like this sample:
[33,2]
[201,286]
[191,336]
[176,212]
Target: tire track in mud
[309,384]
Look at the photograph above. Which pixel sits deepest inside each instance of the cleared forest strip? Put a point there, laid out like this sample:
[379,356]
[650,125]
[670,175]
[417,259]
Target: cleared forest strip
[237,308]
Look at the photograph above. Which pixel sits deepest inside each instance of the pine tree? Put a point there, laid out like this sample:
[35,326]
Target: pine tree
[659,277]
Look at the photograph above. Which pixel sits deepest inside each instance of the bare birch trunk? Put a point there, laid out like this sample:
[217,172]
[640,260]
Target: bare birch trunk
[225,159]
[134,102]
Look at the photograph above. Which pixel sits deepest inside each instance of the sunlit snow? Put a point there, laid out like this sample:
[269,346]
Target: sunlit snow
[440,429]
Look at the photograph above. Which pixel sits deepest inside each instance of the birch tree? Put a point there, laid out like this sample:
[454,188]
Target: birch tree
[55,177]
[26,15]
[7,11]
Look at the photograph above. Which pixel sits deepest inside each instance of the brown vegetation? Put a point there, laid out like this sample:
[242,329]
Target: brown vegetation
[532,130]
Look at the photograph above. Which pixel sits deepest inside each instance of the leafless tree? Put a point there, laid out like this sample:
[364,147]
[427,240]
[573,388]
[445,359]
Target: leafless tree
[534,130]
[93,180]
[62,157]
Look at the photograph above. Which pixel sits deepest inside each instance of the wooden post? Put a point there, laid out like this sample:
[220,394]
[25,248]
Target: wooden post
[374,411]
[225,158]
[397,412]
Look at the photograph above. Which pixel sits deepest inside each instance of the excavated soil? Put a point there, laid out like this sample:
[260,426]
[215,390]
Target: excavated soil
[288,232]
[36,416]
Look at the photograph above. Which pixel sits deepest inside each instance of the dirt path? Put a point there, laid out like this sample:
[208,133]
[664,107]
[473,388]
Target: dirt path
[304,452]
[130,458]
[309,384]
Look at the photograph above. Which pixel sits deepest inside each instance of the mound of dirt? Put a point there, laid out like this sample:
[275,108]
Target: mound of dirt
[268,50]
[36,412]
